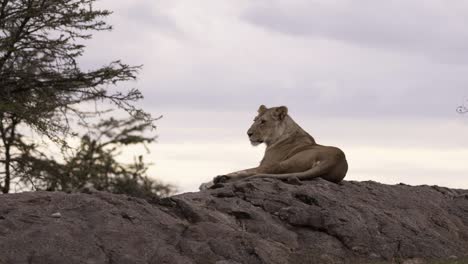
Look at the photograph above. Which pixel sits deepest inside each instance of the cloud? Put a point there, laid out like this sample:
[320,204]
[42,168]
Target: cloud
[215,56]
[434,28]
[145,16]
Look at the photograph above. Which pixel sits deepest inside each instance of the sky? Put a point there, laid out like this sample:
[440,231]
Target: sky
[379,79]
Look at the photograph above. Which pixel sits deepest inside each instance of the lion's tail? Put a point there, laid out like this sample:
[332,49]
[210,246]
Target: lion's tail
[321,169]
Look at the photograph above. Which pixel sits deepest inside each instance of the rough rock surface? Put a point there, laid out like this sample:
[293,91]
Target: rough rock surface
[258,221]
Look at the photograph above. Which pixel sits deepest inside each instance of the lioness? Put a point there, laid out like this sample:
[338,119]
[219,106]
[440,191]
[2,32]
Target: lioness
[291,152]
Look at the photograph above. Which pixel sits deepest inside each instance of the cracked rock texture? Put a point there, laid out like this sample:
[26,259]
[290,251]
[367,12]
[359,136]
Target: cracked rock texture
[258,221]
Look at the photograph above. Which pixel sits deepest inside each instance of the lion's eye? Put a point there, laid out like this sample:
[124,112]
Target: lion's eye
[262,122]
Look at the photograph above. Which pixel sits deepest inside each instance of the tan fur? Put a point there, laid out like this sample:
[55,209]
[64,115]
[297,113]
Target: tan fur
[291,152]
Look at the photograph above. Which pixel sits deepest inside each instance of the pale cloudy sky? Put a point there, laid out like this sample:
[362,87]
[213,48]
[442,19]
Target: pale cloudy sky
[379,79]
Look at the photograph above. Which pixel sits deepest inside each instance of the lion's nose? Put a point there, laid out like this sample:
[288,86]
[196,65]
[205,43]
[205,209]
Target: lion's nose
[249,133]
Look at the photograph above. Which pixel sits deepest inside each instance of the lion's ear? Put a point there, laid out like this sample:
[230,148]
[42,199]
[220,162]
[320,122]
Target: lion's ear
[281,112]
[262,109]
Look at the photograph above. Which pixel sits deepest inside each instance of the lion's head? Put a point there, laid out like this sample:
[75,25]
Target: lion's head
[268,125]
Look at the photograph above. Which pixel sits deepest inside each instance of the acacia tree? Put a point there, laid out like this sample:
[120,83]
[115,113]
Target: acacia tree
[93,163]
[41,83]
[40,78]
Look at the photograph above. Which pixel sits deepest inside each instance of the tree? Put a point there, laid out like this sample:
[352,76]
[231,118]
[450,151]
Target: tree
[41,83]
[94,163]
[40,78]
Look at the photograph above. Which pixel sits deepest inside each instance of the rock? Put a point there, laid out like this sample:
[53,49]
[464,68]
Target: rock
[257,221]
[56,215]
[414,261]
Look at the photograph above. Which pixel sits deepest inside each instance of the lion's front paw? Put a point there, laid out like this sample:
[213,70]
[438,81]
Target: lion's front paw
[220,179]
[293,181]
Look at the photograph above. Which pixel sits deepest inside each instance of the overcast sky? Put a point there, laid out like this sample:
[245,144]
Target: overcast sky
[379,79]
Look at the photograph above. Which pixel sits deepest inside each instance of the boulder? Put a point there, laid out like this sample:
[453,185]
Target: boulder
[256,221]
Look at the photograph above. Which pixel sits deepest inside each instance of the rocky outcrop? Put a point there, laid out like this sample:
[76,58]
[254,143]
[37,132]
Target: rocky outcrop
[258,221]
